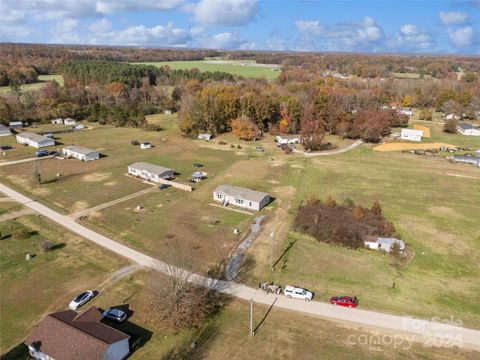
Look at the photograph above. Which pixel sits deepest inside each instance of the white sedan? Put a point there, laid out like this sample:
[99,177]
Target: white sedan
[81,299]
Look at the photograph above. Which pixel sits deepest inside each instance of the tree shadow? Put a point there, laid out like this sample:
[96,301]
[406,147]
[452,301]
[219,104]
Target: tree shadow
[284,252]
[255,331]
[19,352]
[195,346]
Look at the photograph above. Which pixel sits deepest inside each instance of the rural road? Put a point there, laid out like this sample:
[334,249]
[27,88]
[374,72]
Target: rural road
[329,152]
[401,327]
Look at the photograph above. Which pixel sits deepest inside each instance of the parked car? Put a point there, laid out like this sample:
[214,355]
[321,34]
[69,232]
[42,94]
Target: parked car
[164,186]
[53,153]
[145,145]
[115,315]
[81,299]
[6,147]
[297,293]
[347,301]
[41,153]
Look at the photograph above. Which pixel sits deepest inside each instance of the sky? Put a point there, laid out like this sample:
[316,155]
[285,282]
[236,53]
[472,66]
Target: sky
[381,26]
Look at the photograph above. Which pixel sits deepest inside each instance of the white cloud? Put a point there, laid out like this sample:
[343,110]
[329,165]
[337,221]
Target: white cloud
[411,38]
[225,40]
[462,36]
[80,9]
[313,35]
[451,18]
[101,26]
[65,26]
[224,12]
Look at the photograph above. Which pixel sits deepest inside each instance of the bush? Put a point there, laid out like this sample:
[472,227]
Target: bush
[21,234]
[47,246]
[450,126]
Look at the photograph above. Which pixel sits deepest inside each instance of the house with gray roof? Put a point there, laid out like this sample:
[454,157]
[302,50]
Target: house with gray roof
[468,129]
[4,131]
[15,124]
[467,159]
[72,336]
[150,172]
[34,140]
[81,153]
[241,197]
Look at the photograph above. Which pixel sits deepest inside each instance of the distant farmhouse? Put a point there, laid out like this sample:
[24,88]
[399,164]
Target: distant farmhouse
[205,136]
[241,197]
[15,124]
[4,131]
[69,121]
[57,121]
[385,244]
[150,172]
[81,153]
[468,129]
[69,335]
[34,140]
[411,134]
[288,139]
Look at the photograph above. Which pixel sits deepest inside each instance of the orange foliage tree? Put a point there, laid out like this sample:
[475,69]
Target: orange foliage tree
[244,128]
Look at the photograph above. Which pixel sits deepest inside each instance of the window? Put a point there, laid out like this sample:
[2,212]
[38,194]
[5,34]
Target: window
[250,204]
[239,201]
[219,196]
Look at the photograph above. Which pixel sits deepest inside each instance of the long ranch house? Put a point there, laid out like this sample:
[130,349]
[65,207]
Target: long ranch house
[34,140]
[241,197]
[81,153]
[150,172]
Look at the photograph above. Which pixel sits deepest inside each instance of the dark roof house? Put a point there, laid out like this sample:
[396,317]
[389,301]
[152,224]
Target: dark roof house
[67,335]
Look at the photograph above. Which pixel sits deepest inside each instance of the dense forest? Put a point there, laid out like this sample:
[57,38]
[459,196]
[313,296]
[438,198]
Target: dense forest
[306,98]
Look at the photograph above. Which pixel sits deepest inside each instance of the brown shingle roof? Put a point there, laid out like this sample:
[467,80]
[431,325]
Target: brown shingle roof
[67,335]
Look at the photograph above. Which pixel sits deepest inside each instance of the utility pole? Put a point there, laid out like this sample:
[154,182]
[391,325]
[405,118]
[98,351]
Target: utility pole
[251,318]
[272,236]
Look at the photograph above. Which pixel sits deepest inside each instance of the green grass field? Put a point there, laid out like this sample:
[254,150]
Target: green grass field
[235,69]
[282,335]
[46,283]
[42,80]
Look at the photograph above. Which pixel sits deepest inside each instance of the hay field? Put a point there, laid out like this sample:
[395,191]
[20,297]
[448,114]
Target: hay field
[408,146]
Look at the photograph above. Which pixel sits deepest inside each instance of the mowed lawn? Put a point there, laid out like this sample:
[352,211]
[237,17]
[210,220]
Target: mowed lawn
[187,222]
[42,81]
[251,71]
[435,214]
[282,334]
[48,281]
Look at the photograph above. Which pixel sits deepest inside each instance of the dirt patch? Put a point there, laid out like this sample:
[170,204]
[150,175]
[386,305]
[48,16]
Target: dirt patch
[286,192]
[240,153]
[94,215]
[111,183]
[405,146]
[276,163]
[79,205]
[426,130]
[443,210]
[275,182]
[96,177]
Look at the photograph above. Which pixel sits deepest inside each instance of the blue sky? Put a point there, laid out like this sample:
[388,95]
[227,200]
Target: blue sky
[441,26]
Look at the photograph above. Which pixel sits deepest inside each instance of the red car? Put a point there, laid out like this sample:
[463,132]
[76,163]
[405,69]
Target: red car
[347,301]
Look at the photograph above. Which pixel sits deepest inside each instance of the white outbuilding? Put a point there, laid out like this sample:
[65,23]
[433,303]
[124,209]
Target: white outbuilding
[81,153]
[288,139]
[468,129]
[69,122]
[150,172]
[34,140]
[411,134]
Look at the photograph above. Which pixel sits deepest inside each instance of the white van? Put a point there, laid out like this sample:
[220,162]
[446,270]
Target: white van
[297,293]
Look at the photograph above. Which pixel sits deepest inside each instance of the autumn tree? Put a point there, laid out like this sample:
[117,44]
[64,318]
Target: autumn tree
[244,128]
[426,114]
[451,126]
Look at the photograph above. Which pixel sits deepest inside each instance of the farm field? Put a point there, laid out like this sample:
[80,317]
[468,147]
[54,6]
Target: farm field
[48,281]
[235,69]
[281,335]
[416,195]
[42,80]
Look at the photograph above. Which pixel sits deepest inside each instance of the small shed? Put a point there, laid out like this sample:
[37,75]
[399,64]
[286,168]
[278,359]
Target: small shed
[384,244]
[79,127]
[411,134]
[58,121]
[145,145]
[288,139]
[205,136]
[15,124]
[69,122]
[168,112]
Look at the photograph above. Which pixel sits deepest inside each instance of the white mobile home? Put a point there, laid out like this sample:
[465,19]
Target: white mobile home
[15,124]
[288,139]
[411,134]
[385,244]
[34,140]
[81,153]
[237,196]
[4,131]
[468,129]
[205,136]
[150,172]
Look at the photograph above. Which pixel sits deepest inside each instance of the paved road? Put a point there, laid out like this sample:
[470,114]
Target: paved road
[329,152]
[418,330]
[24,160]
